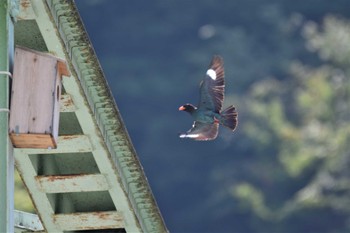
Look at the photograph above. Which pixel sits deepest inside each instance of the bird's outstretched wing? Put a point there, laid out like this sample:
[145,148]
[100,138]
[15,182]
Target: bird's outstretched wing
[202,131]
[213,85]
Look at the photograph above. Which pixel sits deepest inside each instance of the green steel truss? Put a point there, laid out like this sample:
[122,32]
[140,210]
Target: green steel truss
[93,180]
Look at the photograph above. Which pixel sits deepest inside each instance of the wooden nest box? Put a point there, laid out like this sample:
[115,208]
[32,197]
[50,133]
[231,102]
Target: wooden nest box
[35,97]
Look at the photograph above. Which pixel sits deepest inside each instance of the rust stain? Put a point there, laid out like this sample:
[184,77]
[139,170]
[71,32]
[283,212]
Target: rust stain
[68,102]
[25,4]
[59,177]
[69,137]
[85,217]
[102,215]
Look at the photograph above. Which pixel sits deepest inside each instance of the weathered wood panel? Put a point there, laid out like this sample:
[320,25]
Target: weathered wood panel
[66,144]
[33,141]
[35,98]
[32,93]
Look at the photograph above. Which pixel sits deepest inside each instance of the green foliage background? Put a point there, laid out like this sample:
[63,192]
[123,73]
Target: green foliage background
[286,167]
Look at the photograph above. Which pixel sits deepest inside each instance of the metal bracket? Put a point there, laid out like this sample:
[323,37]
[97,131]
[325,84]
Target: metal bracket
[4,110]
[9,75]
[6,73]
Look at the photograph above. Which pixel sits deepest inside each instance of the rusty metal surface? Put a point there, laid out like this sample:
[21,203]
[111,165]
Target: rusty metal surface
[93,180]
[89,221]
[106,113]
[72,183]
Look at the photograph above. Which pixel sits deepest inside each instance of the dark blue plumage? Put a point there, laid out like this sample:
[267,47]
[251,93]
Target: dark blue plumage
[208,115]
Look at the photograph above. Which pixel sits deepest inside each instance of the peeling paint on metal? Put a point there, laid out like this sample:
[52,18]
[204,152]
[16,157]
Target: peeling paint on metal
[106,113]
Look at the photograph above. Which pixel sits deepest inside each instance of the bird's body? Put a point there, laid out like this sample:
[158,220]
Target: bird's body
[204,115]
[208,115]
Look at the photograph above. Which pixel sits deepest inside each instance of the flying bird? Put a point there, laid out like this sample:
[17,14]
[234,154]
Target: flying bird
[208,115]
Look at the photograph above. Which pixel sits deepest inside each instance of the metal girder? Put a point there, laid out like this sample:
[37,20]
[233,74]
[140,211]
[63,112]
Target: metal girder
[7,8]
[72,183]
[106,114]
[89,221]
[27,221]
[93,180]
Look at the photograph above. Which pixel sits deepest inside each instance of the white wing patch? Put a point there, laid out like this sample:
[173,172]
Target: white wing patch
[189,135]
[212,74]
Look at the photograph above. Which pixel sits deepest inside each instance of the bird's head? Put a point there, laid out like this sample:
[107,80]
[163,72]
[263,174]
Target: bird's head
[187,108]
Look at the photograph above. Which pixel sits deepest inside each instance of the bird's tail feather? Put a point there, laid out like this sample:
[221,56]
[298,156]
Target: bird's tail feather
[229,118]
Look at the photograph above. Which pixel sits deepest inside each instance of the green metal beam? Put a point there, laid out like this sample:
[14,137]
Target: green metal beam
[101,102]
[95,159]
[27,221]
[6,158]
[106,113]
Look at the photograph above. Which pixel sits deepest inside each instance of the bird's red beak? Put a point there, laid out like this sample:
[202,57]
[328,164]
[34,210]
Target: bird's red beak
[182,108]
